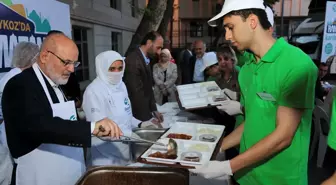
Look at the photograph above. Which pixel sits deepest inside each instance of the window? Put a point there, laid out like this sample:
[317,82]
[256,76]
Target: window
[115,4]
[196,29]
[80,38]
[134,7]
[116,41]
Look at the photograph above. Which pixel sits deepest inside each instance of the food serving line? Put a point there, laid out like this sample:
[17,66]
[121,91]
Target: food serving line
[194,139]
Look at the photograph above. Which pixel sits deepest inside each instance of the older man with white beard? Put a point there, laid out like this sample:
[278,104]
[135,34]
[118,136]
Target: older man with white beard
[44,137]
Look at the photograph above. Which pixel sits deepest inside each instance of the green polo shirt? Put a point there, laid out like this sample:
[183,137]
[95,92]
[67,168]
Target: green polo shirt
[288,75]
[332,132]
[244,58]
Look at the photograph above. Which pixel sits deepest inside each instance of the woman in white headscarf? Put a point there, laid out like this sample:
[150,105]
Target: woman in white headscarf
[107,97]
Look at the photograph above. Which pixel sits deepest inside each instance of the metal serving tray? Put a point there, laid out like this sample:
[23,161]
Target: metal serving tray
[109,175]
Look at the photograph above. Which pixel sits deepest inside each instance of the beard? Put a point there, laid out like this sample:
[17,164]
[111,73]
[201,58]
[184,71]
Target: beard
[151,54]
[56,78]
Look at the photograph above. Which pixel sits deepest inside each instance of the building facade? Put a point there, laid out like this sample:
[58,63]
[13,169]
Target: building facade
[191,16]
[294,12]
[190,22]
[101,25]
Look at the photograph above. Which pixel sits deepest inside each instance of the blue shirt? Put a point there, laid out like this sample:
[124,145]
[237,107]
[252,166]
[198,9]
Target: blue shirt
[146,58]
[198,74]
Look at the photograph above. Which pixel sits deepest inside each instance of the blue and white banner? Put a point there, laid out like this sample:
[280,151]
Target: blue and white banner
[29,20]
[329,36]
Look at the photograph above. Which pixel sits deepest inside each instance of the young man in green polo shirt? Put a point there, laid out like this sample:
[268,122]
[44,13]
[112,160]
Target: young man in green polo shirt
[278,97]
[332,141]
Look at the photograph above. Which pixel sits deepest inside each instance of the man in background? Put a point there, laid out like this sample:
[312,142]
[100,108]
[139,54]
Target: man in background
[138,77]
[193,69]
[323,88]
[182,64]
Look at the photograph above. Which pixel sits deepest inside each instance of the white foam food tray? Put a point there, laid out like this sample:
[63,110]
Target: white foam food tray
[205,149]
[197,95]
[196,130]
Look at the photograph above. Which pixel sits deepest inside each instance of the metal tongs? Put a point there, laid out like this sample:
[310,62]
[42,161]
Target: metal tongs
[171,146]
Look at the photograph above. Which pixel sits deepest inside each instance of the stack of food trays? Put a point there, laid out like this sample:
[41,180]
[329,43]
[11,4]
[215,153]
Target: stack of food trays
[195,143]
[200,95]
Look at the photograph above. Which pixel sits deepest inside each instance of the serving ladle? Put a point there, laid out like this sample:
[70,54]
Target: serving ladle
[171,146]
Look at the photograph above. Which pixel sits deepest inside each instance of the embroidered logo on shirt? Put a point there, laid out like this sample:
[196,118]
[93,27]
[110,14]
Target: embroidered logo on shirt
[93,110]
[127,106]
[73,118]
[126,101]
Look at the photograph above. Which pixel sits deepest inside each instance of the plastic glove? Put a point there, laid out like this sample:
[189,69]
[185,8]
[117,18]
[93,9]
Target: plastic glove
[152,123]
[232,95]
[230,107]
[158,116]
[213,169]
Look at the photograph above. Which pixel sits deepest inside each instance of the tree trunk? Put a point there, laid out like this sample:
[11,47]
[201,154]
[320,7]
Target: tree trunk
[168,14]
[149,22]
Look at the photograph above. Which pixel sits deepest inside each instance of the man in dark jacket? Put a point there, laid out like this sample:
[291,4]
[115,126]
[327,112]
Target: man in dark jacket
[138,77]
[182,64]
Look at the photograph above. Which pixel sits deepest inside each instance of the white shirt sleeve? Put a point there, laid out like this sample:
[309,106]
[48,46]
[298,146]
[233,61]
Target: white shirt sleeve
[135,122]
[93,107]
[93,125]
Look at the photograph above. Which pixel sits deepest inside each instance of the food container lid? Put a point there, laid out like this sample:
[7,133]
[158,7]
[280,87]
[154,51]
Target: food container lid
[191,156]
[208,138]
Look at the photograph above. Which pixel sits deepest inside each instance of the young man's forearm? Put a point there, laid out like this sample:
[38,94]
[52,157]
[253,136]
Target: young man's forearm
[233,139]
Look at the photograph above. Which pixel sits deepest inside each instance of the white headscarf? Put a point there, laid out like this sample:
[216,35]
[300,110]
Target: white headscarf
[103,63]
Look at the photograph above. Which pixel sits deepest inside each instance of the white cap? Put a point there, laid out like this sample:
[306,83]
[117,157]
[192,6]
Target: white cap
[270,15]
[209,59]
[234,5]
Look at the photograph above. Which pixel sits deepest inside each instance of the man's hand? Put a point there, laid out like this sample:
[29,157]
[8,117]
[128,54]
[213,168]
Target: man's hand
[107,127]
[158,116]
[231,107]
[213,169]
[152,123]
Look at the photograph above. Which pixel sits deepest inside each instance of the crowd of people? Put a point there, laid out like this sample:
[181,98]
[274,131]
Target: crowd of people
[271,86]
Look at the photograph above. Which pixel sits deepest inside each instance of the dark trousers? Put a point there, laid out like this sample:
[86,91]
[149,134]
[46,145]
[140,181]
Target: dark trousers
[13,181]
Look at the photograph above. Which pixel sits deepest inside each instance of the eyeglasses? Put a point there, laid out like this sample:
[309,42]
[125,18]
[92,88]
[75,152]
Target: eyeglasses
[66,63]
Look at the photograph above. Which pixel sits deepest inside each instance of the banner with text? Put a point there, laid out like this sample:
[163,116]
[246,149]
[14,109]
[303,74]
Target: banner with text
[329,36]
[29,20]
